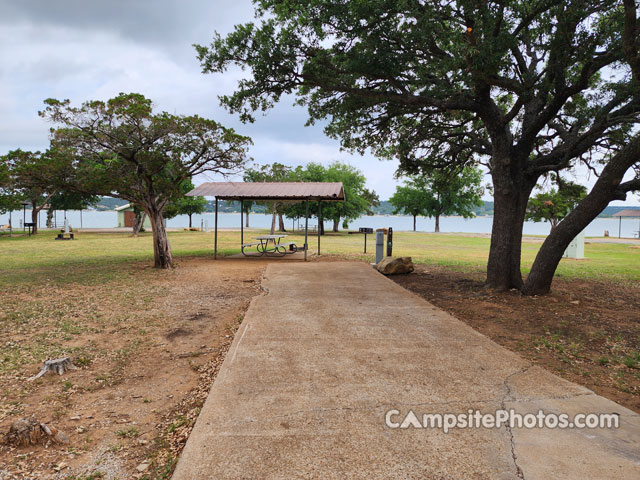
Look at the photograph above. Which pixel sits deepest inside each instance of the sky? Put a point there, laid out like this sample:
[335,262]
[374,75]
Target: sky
[93,50]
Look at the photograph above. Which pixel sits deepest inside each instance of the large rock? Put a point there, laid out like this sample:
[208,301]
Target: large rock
[395,265]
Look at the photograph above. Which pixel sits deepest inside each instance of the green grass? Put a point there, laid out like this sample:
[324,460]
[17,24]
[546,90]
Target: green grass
[98,257]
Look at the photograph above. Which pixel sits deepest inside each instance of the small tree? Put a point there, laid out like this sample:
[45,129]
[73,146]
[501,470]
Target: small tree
[410,199]
[185,205]
[444,193]
[554,205]
[30,176]
[120,148]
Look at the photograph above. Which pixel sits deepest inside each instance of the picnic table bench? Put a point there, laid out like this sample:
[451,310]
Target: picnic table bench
[270,245]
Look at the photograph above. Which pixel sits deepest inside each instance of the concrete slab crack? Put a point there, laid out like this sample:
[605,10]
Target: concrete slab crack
[503,406]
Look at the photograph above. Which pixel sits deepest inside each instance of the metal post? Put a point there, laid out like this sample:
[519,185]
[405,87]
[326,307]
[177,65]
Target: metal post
[379,246]
[306,229]
[389,241]
[215,235]
[620,226]
[24,217]
[365,242]
[241,222]
[319,223]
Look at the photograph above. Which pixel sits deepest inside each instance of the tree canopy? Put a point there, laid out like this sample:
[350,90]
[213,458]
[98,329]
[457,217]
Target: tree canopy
[121,148]
[275,172]
[525,86]
[358,199]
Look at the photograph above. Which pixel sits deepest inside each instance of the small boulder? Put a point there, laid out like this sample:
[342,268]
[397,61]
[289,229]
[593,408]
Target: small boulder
[395,265]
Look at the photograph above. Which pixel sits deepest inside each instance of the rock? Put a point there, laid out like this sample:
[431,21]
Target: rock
[142,467]
[395,265]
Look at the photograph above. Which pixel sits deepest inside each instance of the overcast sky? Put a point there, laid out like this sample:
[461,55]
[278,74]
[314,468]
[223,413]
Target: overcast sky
[86,50]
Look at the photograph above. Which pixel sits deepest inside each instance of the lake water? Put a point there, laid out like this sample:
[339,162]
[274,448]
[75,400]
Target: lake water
[108,219]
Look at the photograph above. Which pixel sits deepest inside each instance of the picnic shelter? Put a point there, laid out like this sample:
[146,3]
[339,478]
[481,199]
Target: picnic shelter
[282,192]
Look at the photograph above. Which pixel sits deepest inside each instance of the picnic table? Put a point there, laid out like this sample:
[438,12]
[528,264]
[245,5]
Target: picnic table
[270,245]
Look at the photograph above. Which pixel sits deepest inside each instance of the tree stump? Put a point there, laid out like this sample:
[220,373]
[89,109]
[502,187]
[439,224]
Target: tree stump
[58,365]
[25,432]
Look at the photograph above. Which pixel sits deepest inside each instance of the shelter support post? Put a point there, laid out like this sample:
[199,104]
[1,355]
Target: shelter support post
[319,224]
[215,234]
[306,229]
[620,227]
[242,222]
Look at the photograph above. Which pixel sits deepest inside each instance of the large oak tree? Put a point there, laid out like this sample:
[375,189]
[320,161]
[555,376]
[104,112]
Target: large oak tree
[121,148]
[526,86]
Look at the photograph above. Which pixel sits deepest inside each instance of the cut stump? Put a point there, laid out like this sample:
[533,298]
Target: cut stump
[58,365]
[25,432]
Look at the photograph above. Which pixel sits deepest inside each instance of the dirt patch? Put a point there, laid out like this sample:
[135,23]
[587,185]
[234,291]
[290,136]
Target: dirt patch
[148,343]
[178,332]
[585,331]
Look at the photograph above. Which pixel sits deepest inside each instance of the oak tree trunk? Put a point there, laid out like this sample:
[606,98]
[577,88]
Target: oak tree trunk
[247,218]
[336,224]
[161,249]
[511,195]
[414,223]
[273,222]
[437,230]
[190,215]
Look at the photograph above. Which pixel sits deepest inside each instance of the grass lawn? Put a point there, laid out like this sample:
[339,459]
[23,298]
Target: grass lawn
[26,260]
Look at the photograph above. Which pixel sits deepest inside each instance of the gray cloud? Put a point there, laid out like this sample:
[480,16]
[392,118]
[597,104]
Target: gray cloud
[86,49]
[159,22]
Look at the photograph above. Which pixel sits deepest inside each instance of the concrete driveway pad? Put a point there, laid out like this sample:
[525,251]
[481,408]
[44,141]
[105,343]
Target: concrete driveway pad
[332,346]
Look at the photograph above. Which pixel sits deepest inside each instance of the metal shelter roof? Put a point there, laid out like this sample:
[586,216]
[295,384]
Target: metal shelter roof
[627,213]
[292,191]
